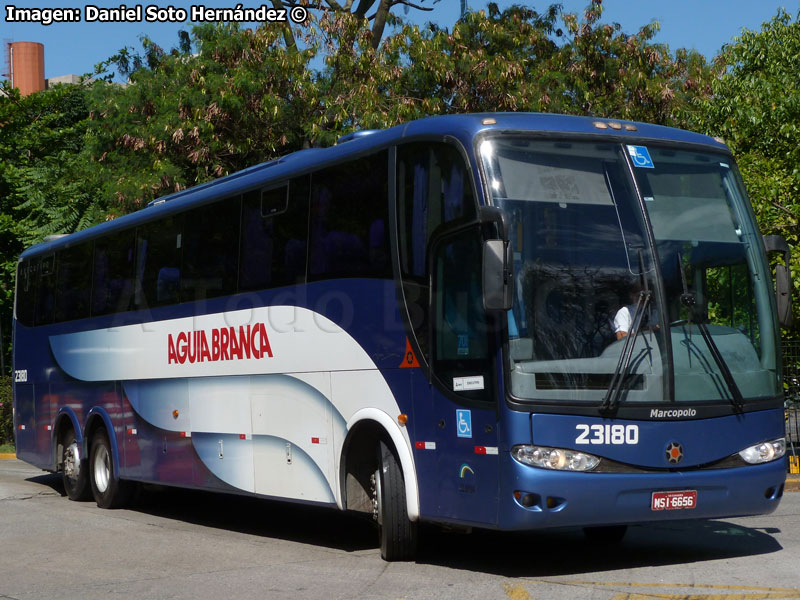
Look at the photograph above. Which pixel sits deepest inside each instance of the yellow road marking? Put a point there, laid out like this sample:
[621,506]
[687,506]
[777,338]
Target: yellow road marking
[7,456]
[759,596]
[681,585]
[516,592]
[735,592]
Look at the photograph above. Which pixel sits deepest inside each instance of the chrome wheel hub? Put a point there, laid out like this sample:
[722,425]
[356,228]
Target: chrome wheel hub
[102,469]
[375,484]
[72,461]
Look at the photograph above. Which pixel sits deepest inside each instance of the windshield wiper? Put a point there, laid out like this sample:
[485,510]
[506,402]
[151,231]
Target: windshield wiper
[611,400]
[688,299]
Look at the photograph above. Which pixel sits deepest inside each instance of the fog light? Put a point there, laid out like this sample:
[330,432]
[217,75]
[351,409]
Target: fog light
[527,499]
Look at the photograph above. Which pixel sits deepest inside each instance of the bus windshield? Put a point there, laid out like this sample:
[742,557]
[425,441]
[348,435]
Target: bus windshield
[715,275]
[694,312]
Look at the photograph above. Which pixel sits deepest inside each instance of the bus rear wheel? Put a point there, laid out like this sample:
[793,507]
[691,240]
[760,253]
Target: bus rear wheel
[74,468]
[398,535]
[107,489]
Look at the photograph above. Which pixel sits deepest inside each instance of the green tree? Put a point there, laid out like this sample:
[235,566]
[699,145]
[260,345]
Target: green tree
[755,107]
[520,59]
[614,74]
[44,186]
[185,118]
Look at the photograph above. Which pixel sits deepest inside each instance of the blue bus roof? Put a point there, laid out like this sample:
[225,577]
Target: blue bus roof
[463,127]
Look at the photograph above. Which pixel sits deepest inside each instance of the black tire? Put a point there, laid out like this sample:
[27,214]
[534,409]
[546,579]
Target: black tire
[398,535]
[108,491]
[607,535]
[74,469]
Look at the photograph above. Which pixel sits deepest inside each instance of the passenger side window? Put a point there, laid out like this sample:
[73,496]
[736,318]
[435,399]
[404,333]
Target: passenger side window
[112,288]
[74,283]
[349,232]
[46,290]
[211,251]
[274,233]
[158,263]
[26,291]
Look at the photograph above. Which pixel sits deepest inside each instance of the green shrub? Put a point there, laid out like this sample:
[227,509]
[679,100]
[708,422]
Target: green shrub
[6,418]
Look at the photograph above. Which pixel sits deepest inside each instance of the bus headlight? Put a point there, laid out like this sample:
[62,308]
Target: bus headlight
[764,452]
[554,458]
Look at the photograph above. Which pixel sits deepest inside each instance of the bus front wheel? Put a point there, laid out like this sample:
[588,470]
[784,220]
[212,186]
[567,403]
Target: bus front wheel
[74,468]
[107,489]
[398,535]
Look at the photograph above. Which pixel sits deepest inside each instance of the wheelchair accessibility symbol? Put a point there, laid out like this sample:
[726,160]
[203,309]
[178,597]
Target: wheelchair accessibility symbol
[641,157]
[464,423]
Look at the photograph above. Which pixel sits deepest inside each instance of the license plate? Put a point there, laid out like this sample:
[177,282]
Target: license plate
[683,500]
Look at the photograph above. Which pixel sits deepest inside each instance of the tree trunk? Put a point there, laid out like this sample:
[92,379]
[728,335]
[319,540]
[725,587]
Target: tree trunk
[380,22]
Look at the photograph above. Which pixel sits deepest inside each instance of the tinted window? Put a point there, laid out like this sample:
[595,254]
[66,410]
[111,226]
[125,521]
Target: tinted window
[74,283]
[274,234]
[349,220]
[460,331]
[45,290]
[274,201]
[26,291]
[211,247]
[433,189]
[112,289]
[158,263]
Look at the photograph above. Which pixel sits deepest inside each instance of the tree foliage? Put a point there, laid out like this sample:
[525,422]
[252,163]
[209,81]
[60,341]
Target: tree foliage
[519,59]
[755,106]
[45,188]
[238,100]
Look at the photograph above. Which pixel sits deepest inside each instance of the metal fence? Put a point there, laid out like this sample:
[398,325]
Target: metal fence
[791,378]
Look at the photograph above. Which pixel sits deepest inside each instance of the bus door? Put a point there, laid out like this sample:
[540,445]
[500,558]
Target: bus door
[459,406]
[440,253]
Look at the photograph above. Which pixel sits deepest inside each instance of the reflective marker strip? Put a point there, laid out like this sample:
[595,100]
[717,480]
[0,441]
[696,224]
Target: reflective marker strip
[486,450]
[242,436]
[425,445]
[131,432]
[48,428]
[22,427]
[186,434]
[319,440]
[315,440]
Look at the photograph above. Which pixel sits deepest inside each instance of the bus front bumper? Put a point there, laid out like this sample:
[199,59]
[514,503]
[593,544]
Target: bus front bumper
[539,498]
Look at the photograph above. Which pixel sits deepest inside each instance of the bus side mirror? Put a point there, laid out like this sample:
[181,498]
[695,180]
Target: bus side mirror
[783,278]
[498,261]
[498,275]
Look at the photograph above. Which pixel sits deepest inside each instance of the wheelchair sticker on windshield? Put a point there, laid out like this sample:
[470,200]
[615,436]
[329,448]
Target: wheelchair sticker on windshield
[464,423]
[640,157]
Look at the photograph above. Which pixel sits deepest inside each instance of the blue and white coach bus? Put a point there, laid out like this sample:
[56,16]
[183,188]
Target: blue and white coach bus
[425,324]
